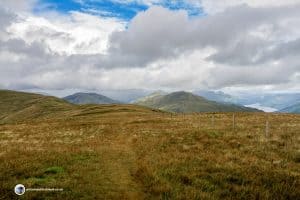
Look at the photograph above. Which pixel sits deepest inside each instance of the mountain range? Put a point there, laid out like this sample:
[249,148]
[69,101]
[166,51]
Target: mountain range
[90,98]
[210,101]
[185,102]
[268,101]
[292,109]
[126,95]
[278,101]
[18,106]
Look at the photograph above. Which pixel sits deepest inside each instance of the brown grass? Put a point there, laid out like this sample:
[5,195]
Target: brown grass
[129,152]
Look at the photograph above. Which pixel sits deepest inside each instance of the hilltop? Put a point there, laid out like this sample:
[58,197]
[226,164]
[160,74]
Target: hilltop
[185,102]
[89,98]
[21,107]
[15,106]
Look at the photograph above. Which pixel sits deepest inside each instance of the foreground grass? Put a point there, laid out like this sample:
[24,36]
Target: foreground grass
[127,152]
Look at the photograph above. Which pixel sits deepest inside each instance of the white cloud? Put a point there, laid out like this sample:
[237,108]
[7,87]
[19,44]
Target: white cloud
[252,46]
[215,6]
[208,6]
[79,33]
[161,33]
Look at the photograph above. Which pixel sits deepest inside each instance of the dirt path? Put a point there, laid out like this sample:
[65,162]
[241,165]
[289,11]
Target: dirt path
[119,165]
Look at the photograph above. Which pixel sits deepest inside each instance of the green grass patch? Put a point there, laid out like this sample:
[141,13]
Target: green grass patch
[34,181]
[54,170]
[214,134]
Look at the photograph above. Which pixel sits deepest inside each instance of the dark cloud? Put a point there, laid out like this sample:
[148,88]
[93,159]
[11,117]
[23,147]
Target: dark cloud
[6,17]
[259,75]
[159,33]
[18,5]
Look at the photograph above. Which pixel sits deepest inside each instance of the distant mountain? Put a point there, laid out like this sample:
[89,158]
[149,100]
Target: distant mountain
[218,96]
[185,102]
[151,97]
[126,96]
[19,107]
[89,98]
[260,107]
[269,102]
[273,100]
[291,109]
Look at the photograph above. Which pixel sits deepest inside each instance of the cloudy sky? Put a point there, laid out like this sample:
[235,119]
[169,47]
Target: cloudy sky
[229,45]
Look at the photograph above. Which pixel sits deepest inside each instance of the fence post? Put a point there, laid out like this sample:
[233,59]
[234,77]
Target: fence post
[267,133]
[233,122]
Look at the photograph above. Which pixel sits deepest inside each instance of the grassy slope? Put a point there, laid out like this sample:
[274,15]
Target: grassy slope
[18,106]
[129,152]
[187,103]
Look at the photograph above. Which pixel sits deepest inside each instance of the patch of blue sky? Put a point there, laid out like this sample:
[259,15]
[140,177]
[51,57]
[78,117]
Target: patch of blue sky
[191,9]
[124,10]
[106,8]
[61,6]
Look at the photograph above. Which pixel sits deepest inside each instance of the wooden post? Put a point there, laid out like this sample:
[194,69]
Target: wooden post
[233,122]
[199,120]
[267,127]
[199,125]
[212,121]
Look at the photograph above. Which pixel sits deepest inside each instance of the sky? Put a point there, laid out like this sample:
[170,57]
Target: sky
[58,46]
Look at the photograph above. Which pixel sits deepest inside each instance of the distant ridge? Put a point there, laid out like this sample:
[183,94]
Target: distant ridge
[18,107]
[89,98]
[292,109]
[217,96]
[185,102]
[152,97]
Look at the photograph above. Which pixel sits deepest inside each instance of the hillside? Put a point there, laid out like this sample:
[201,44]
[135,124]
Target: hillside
[151,97]
[126,95]
[89,98]
[291,109]
[132,152]
[24,107]
[18,106]
[217,96]
[184,102]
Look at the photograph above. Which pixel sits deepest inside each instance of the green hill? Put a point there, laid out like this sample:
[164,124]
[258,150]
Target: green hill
[16,106]
[292,109]
[90,98]
[185,102]
[20,107]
